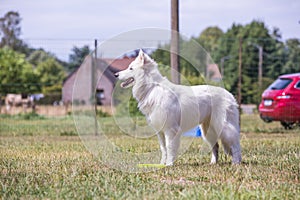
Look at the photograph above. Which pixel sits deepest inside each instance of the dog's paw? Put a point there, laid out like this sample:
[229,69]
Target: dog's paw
[213,161]
[170,163]
[236,162]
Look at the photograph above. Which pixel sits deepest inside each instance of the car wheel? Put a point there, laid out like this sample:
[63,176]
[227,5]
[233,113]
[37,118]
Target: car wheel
[287,125]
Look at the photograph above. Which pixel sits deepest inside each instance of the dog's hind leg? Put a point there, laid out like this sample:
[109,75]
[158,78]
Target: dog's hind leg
[236,154]
[231,142]
[215,154]
[211,138]
[163,148]
[233,149]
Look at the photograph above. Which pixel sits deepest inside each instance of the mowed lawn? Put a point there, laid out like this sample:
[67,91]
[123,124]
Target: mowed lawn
[44,158]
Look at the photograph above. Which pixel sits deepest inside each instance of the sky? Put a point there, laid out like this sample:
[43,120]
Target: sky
[57,25]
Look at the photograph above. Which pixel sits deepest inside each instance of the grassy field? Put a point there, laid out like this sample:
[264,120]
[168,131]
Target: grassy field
[43,158]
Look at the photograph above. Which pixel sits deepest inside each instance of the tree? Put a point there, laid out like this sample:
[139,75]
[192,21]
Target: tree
[39,56]
[253,35]
[293,59]
[162,55]
[10,31]
[51,74]
[16,74]
[77,57]
[209,39]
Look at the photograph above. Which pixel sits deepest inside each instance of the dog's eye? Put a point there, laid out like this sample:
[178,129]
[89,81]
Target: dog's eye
[130,68]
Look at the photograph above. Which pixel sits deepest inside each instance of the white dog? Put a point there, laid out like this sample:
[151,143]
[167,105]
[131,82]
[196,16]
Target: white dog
[174,109]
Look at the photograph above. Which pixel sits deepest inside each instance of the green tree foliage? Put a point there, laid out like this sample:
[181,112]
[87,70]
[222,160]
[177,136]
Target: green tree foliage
[40,73]
[39,56]
[209,39]
[229,47]
[293,56]
[10,31]
[49,70]
[51,74]
[77,57]
[253,35]
[162,56]
[16,74]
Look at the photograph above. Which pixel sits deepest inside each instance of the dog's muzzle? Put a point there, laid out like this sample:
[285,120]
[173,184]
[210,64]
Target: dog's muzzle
[127,83]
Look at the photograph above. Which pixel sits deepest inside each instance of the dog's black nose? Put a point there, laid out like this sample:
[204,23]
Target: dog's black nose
[116,75]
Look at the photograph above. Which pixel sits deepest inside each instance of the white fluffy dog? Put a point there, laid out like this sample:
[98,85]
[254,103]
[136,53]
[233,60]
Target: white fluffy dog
[174,109]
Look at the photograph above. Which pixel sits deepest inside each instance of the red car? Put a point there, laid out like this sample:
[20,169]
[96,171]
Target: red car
[281,101]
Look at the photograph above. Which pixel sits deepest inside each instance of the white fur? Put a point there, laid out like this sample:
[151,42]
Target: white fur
[174,109]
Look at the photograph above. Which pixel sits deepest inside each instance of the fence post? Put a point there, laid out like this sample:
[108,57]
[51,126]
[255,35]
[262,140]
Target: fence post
[94,86]
[174,51]
[0,103]
[240,79]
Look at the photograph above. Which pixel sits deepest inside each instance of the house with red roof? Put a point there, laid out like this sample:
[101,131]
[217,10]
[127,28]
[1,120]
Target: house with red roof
[79,86]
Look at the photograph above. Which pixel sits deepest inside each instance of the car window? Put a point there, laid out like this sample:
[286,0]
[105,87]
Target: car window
[280,84]
[297,85]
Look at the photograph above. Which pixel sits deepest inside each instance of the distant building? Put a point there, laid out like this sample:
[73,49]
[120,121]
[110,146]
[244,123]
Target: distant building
[103,75]
[213,73]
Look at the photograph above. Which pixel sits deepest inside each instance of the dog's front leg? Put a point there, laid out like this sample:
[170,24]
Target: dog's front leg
[172,144]
[163,149]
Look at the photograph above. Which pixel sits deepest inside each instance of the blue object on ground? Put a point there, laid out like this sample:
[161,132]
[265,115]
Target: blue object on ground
[194,132]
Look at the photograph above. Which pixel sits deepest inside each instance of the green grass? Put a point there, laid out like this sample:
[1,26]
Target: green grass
[43,158]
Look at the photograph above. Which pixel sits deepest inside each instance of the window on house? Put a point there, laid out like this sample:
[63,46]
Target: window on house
[100,96]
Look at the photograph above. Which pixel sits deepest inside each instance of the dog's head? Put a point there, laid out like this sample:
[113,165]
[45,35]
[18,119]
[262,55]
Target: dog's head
[136,69]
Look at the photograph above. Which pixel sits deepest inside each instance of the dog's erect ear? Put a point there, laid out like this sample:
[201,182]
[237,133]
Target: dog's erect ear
[141,52]
[144,58]
[147,59]
[141,56]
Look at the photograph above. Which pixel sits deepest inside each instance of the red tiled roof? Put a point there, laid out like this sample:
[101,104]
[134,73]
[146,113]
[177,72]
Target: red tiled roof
[119,64]
[115,65]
